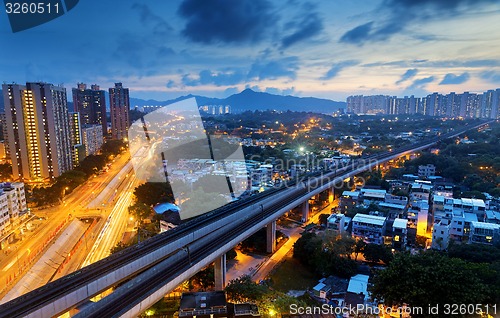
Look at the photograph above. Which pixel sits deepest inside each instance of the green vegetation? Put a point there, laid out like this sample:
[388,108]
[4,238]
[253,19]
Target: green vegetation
[474,167]
[140,211]
[5,171]
[270,302]
[326,255]
[376,253]
[434,278]
[292,275]
[152,193]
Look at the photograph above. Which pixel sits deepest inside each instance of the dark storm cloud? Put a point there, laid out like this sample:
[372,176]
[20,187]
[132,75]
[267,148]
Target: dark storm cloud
[394,16]
[357,35]
[452,79]
[273,69]
[308,26]
[262,69]
[419,83]
[227,21]
[149,19]
[337,67]
[207,77]
[170,84]
[407,75]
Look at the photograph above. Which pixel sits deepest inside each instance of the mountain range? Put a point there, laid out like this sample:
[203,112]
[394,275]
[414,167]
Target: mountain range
[245,100]
[251,100]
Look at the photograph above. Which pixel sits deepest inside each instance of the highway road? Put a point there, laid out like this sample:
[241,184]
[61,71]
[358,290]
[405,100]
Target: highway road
[115,224]
[20,256]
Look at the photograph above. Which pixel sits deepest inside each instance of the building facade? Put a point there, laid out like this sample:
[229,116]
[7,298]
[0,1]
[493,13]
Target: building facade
[92,138]
[369,228]
[38,130]
[91,104]
[119,105]
[12,204]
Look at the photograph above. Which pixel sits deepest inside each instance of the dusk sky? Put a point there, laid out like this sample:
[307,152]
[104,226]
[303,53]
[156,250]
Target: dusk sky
[330,49]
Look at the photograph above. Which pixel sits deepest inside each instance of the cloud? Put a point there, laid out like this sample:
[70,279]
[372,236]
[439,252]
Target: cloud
[420,83]
[262,69]
[439,63]
[279,91]
[309,26]
[407,75]
[491,76]
[227,21]
[452,79]
[170,84]
[357,35]
[254,88]
[273,69]
[149,19]
[337,67]
[394,16]
[206,77]
[231,91]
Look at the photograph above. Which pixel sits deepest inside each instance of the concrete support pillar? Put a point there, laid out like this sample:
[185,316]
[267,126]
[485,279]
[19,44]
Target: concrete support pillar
[220,272]
[305,211]
[271,237]
[331,195]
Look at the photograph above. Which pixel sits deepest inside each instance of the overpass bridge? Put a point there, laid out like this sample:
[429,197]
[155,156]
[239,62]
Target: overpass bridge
[158,265]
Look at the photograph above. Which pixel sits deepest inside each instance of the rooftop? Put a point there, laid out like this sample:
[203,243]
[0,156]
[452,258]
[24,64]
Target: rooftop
[484,225]
[358,284]
[400,223]
[370,219]
[202,301]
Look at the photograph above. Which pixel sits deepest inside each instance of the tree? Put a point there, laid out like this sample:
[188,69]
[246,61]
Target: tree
[113,147]
[140,211]
[152,193]
[272,302]
[201,202]
[323,218]
[205,278]
[476,253]
[211,184]
[326,255]
[92,164]
[429,278]
[244,289]
[359,247]
[5,171]
[231,254]
[120,246]
[377,253]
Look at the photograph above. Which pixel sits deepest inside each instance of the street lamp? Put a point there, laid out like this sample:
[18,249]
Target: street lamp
[64,192]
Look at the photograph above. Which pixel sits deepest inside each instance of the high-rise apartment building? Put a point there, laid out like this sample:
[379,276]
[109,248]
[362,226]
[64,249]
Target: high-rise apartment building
[91,104]
[78,149]
[12,204]
[3,121]
[38,130]
[465,105]
[119,106]
[92,139]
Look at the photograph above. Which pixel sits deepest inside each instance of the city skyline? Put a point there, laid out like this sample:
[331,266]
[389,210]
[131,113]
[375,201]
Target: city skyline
[332,51]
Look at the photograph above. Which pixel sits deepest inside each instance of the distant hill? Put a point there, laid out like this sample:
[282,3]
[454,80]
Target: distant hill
[251,100]
[246,100]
